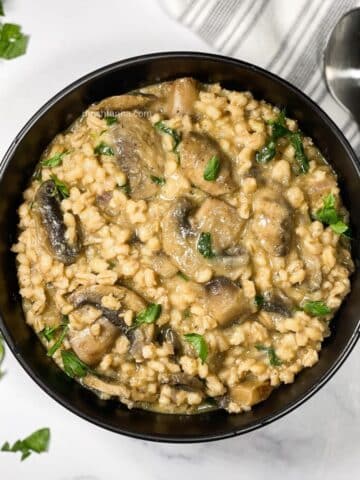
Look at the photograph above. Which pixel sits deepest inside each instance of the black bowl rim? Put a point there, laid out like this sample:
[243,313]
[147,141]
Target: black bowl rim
[201,56]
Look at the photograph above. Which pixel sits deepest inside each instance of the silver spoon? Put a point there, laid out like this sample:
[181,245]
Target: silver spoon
[342,62]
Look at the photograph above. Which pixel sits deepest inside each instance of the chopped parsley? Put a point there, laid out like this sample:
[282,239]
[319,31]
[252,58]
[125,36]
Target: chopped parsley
[280,130]
[300,156]
[329,216]
[259,300]
[125,188]
[50,334]
[103,149]
[54,161]
[212,169]
[170,131]
[73,366]
[183,276]
[199,344]
[61,188]
[158,180]
[274,360]
[37,442]
[110,120]
[204,245]
[148,315]
[316,308]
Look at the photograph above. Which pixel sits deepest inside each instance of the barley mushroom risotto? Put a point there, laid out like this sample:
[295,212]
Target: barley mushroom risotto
[183,247]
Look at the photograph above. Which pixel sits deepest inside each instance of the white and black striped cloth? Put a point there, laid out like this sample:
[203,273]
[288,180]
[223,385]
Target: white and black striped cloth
[286,37]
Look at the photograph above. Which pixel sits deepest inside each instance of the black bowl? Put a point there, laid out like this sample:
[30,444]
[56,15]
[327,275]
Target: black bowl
[17,168]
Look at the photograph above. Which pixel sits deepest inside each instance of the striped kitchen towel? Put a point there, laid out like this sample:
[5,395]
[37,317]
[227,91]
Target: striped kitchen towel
[286,37]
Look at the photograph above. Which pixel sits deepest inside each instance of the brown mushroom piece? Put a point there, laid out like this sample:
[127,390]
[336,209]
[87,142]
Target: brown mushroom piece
[183,381]
[250,392]
[277,303]
[126,102]
[181,96]
[90,348]
[94,294]
[139,337]
[272,221]
[179,238]
[139,153]
[47,205]
[169,335]
[163,266]
[222,221]
[226,301]
[195,151]
[180,235]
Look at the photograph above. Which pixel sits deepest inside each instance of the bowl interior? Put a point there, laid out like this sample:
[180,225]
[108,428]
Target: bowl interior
[18,166]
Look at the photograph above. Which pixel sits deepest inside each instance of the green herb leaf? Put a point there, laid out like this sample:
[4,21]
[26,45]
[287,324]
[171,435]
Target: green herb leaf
[37,442]
[187,313]
[339,227]
[266,153]
[110,120]
[61,188]
[183,276]
[2,12]
[303,161]
[125,188]
[278,127]
[274,360]
[13,42]
[170,131]
[259,300]
[149,315]
[73,366]
[63,328]
[316,308]
[49,333]
[329,216]
[103,149]
[204,245]
[212,169]
[158,180]
[199,344]
[54,161]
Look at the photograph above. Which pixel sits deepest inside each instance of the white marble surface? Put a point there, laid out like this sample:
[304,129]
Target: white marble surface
[319,440]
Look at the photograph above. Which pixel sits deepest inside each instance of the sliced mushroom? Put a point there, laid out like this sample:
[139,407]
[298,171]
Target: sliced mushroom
[140,337]
[181,96]
[112,389]
[179,239]
[272,221]
[139,154]
[277,303]
[196,150]
[120,103]
[167,334]
[163,266]
[90,348]
[183,381]
[52,220]
[94,294]
[226,301]
[250,392]
[180,235]
[222,221]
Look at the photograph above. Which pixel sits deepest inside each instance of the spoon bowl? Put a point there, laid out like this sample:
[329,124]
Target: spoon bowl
[342,62]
